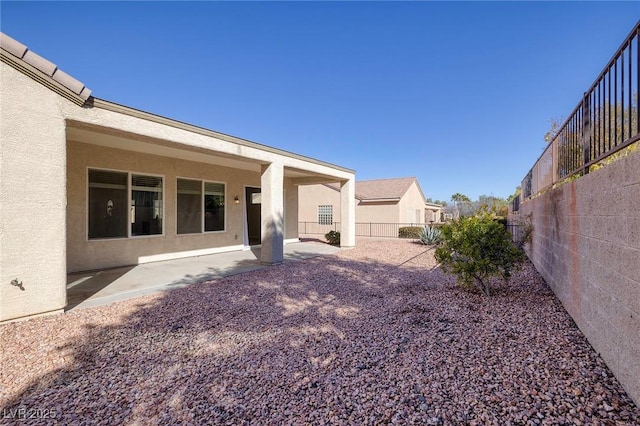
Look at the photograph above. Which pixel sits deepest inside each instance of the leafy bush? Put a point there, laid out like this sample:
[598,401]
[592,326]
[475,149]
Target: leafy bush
[333,238]
[501,220]
[430,235]
[410,232]
[476,248]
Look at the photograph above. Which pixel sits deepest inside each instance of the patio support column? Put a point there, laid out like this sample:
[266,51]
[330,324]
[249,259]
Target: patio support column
[272,210]
[348,213]
[290,210]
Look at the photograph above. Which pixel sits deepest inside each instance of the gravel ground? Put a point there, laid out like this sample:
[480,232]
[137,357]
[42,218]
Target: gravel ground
[373,335]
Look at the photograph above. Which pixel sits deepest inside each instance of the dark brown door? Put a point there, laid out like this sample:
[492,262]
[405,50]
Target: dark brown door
[253,201]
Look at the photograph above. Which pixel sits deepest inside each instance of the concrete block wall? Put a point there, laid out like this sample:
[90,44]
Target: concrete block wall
[586,245]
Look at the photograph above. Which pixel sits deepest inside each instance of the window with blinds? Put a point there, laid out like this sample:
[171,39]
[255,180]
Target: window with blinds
[201,206]
[110,211]
[146,205]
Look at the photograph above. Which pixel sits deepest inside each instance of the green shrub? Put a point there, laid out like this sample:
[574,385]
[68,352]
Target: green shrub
[476,248]
[410,232]
[430,235]
[333,238]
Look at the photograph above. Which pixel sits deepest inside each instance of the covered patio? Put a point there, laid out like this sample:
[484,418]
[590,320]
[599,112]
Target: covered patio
[90,184]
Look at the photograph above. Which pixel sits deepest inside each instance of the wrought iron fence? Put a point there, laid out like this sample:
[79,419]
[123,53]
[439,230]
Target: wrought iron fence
[604,122]
[368,229]
[515,229]
[515,204]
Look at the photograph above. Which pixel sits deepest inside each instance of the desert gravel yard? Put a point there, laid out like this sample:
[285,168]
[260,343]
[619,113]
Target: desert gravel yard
[373,335]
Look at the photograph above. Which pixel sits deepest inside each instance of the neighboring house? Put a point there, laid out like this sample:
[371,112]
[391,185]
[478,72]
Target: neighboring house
[394,201]
[88,184]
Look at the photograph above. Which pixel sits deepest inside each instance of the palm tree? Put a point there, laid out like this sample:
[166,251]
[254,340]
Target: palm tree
[458,197]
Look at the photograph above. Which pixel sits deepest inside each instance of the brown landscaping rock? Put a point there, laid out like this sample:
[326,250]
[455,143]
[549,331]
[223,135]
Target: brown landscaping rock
[373,335]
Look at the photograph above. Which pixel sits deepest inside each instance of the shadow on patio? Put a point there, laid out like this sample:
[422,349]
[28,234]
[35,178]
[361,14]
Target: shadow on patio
[100,287]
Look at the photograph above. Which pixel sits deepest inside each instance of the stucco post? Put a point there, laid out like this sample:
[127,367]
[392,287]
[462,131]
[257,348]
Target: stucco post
[348,213]
[290,210]
[272,208]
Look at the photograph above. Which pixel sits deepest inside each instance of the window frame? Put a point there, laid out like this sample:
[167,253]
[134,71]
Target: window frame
[177,212]
[224,226]
[203,182]
[128,207]
[130,193]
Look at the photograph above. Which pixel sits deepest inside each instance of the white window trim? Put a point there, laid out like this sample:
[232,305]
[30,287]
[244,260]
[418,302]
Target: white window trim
[202,194]
[129,185]
[201,207]
[130,190]
[226,204]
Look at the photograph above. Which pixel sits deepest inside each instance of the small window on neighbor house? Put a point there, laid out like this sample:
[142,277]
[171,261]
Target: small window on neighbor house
[146,205]
[325,215]
[107,204]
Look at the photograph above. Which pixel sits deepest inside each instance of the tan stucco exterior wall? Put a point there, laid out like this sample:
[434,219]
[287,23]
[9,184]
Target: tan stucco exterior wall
[412,200]
[32,197]
[84,254]
[586,245]
[386,212]
[312,196]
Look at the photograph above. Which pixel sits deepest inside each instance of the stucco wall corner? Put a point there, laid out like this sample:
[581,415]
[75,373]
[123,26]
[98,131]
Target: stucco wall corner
[33,191]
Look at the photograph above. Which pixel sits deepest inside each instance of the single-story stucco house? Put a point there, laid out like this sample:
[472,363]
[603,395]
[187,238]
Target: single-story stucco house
[88,184]
[394,201]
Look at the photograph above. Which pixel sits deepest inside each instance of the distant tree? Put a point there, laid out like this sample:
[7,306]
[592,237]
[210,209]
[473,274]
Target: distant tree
[457,197]
[516,193]
[432,201]
[493,205]
[463,204]
[555,123]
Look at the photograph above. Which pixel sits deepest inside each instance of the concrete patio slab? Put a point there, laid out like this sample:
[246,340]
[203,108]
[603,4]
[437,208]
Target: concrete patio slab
[94,288]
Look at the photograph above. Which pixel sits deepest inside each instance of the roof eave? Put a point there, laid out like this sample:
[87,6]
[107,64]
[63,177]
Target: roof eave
[133,112]
[37,75]
[380,200]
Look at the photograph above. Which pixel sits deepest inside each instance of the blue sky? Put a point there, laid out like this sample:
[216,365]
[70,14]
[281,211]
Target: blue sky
[458,94]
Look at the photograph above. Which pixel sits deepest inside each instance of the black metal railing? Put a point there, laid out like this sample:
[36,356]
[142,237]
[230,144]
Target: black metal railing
[515,229]
[363,229]
[515,204]
[604,122]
